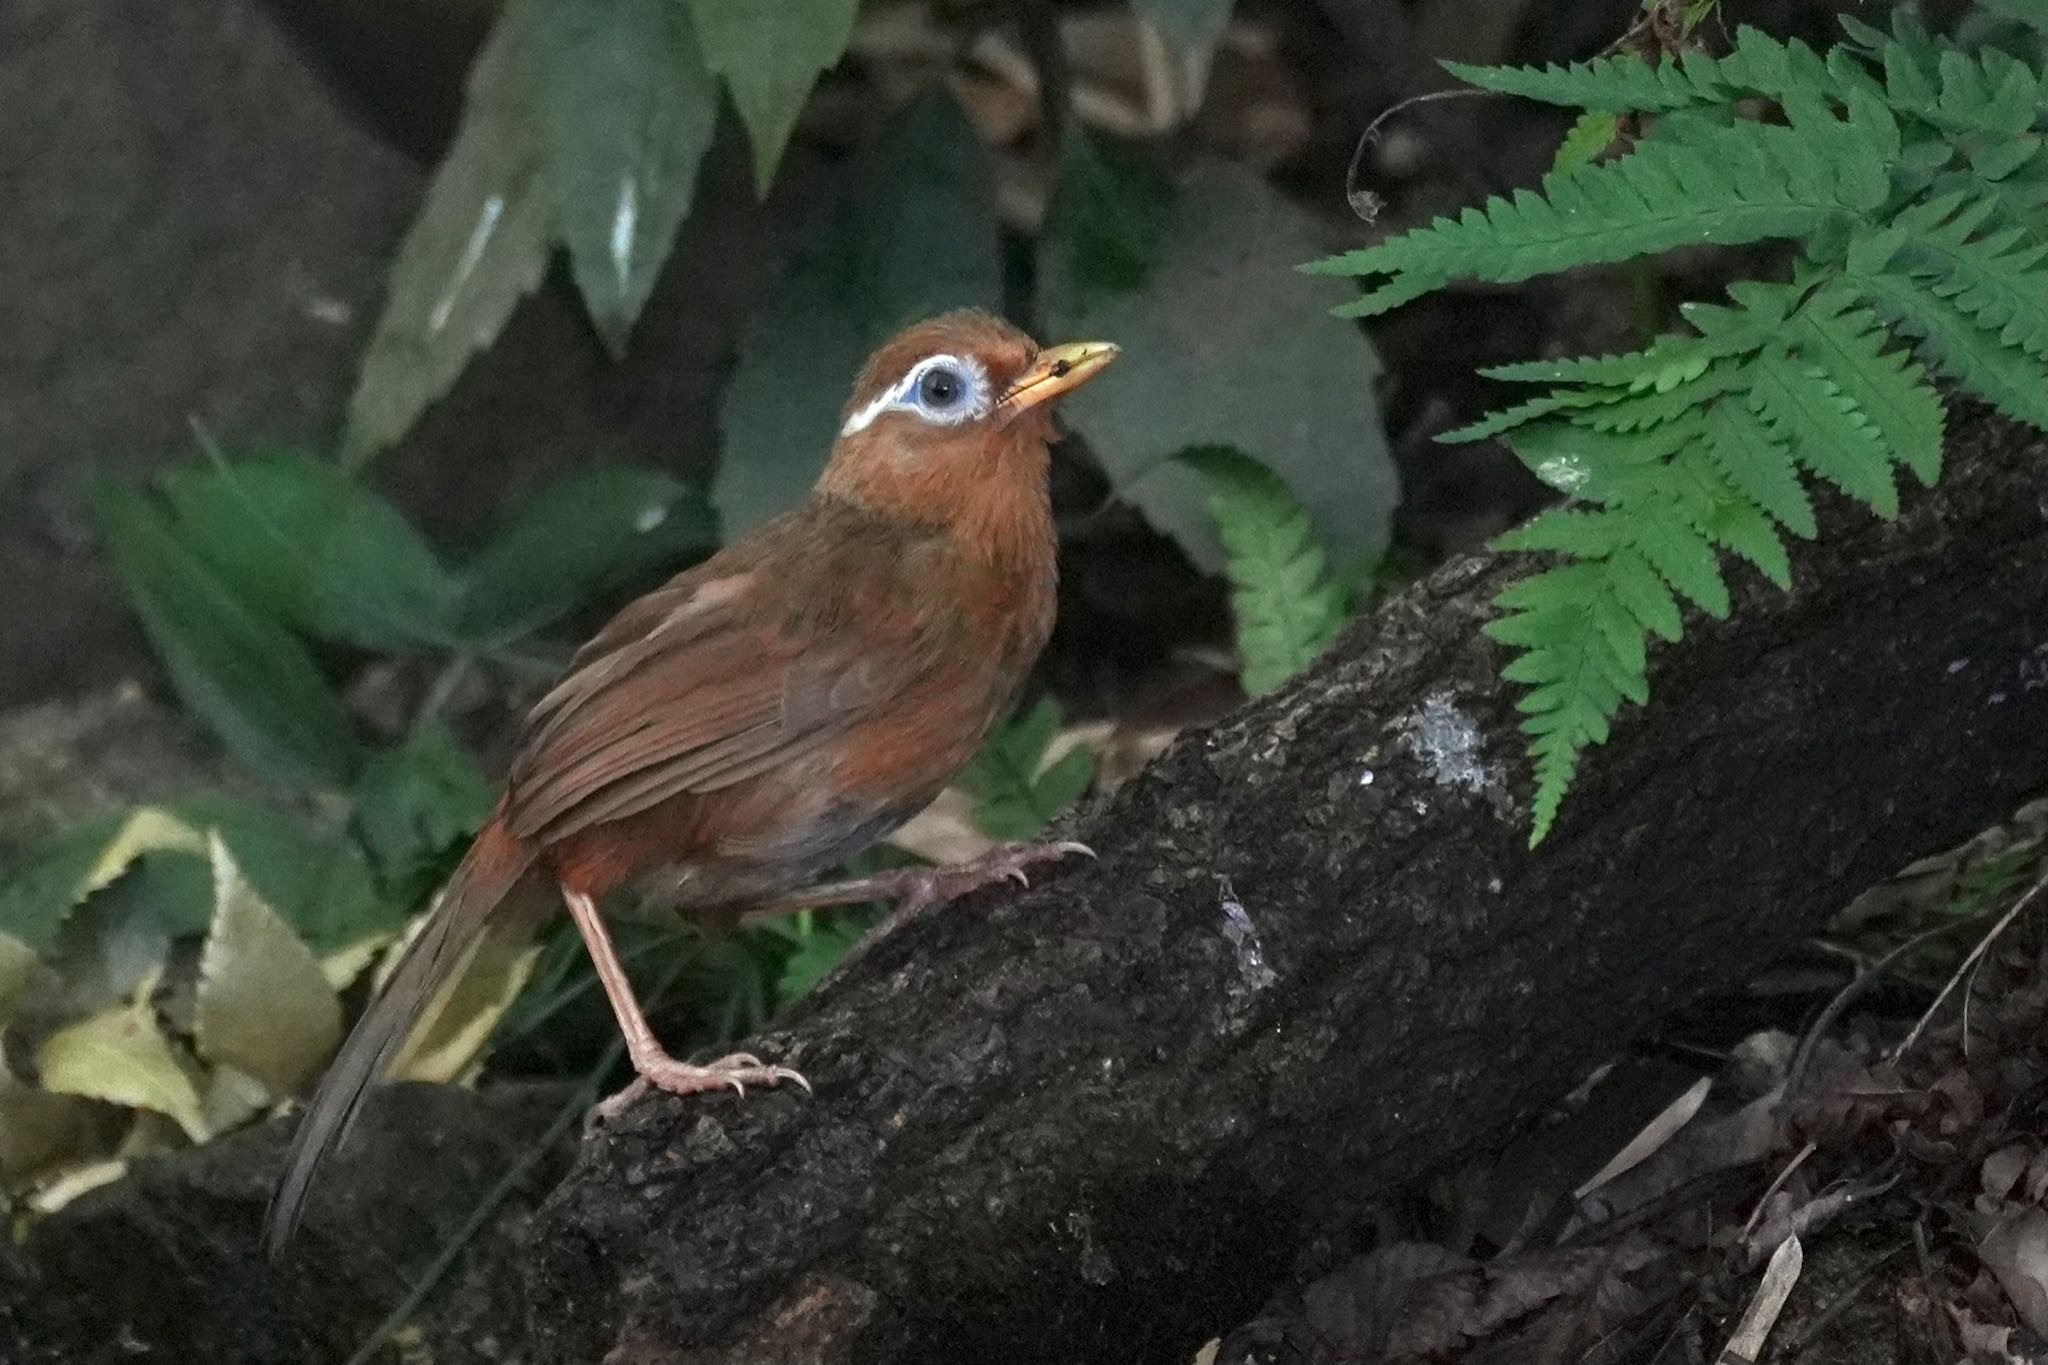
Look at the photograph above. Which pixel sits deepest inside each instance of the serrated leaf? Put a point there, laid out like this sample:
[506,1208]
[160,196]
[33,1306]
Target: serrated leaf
[913,232]
[771,52]
[1884,384]
[1220,318]
[1591,133]
[628,109]
[418,802]
[122,1057]
[478,246]
[263,1005]
[1826,432]
[1682,556]
[1016,792]
[1950,340]
[1759,466]
[1643,591]
[244,675]
[818,952]
[303,542]
[573,537]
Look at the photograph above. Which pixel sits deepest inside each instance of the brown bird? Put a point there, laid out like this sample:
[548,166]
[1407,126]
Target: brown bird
[774,710]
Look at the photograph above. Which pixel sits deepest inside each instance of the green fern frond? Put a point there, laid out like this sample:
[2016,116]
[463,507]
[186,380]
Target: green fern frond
[1287,604]
[1915,175]
[1759,466]
[1743,183]
[1999,278]
[1949,339]
[1827,433]
[1988,91]
[1853,349]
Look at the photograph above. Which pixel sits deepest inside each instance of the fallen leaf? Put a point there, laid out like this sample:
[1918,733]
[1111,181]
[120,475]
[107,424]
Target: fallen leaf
[1654,1135]
[36,1129]
[1767,1303]
[74,1181]
[264,1006]
[2016,1252]
[459,1023]
[122,1057]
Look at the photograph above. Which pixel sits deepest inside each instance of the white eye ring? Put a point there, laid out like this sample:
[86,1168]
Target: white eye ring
[904,396]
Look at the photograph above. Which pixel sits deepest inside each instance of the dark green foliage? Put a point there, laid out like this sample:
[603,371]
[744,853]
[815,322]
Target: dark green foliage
[242,562]
[1287,604]
[1912,176]
[417,805]
[1016,792]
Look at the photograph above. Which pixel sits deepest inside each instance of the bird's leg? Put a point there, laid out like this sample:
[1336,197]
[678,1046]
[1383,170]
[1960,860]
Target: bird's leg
[655,1067]
[911,888]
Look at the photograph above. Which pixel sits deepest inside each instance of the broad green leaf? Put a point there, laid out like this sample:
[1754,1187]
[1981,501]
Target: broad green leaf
[1214,353]
[628,111]
[912,233]
[263,1007]
[122,1057]
[243,674]
[1108,206]
[1193,26]
[302,541]
[770,53]
[418,802]
[573,537]
[478,246]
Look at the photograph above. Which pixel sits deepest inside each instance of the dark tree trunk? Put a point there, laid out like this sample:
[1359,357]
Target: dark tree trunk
[1094,1121]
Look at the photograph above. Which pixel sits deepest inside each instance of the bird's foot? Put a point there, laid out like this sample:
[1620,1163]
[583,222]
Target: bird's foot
[659,1071]
[920,886]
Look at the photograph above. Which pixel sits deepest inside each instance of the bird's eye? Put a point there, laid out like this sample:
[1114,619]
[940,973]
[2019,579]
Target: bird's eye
[941,387]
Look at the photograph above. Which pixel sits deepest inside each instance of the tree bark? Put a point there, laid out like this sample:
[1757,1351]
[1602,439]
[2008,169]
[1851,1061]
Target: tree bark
[1094,1121]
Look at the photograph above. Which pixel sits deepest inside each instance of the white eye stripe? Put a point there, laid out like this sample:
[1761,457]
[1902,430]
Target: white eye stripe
[903,395]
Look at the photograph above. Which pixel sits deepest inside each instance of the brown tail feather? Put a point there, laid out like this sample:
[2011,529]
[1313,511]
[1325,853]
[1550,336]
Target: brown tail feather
[494,865]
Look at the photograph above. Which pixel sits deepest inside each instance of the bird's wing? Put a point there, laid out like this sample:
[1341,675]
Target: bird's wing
[704,683]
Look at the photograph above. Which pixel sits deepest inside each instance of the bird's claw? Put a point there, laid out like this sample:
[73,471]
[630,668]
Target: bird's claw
[660,1071]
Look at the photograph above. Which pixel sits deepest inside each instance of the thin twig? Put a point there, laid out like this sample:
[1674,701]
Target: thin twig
[1963,968]
[1365,203]
[1802,1060]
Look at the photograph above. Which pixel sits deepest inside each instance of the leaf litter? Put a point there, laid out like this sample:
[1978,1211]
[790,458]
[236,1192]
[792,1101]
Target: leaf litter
[1874,1187]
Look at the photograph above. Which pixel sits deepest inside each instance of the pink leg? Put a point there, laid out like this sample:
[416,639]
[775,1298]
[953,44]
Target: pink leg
[656,1067]
[913,887]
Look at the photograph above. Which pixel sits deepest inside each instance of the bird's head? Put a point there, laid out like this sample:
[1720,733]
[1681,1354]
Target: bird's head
[954,409]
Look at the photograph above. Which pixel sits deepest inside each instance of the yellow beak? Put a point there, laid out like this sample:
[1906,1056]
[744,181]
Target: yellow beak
[1058,370]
